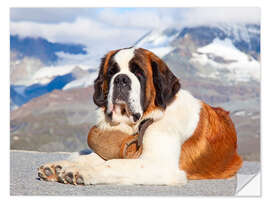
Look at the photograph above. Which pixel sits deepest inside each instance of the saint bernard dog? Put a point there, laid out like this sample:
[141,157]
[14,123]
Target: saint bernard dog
[187,138]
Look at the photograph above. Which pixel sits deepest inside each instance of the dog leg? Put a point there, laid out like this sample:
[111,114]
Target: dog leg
[156,166]
[124,172]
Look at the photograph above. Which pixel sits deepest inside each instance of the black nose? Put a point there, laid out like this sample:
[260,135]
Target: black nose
[136,116]
[122,80]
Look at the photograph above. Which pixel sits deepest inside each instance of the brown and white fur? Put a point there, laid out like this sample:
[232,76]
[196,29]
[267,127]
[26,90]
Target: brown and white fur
[187,140]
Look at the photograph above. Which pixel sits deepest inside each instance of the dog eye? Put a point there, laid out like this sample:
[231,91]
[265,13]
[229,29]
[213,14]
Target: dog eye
[136,70]
[113,70]
[138,73]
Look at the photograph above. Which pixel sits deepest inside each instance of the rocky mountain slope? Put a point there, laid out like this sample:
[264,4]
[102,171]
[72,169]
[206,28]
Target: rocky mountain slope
[57,121]
[42,49]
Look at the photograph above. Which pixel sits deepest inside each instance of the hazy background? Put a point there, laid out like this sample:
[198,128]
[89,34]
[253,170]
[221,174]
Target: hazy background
[55,55]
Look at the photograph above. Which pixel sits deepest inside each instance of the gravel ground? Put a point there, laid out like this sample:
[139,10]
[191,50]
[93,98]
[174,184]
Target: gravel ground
[24,181]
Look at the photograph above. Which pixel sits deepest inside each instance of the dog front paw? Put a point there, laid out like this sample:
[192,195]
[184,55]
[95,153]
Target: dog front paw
[54,172]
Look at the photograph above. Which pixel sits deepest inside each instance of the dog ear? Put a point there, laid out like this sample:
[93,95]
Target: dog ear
[165,82]
[100,97]
[101,83]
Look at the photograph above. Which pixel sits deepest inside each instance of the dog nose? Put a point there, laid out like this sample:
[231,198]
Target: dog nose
[136,116]
[122,80]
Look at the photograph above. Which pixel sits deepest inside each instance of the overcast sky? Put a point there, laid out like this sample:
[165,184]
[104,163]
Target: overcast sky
[102,29]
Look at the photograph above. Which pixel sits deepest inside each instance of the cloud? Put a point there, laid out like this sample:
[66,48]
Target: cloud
[97,36]
[82,30]
[92,27]
[199,16]
[103,29]
[97,28]
[138,17]
[50,15]
[147,18]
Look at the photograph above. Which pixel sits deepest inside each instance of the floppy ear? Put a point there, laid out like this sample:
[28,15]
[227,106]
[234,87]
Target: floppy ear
[165,82]
[100,98]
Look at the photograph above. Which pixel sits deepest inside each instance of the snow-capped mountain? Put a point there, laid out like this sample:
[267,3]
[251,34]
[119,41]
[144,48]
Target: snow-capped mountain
[226,59]
[245,37]
[220,51]
[35,69]
[39,80]
[158,41]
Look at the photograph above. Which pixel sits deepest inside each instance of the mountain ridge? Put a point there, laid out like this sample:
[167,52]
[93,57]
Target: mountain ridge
[43,49]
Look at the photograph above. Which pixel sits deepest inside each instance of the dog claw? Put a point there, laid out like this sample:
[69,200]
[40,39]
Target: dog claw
[69,178]
[41,175]
[58,169]
[48,171]
[60,179]
[79,180]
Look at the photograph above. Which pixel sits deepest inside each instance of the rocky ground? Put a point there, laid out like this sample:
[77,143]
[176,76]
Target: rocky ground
[24,181]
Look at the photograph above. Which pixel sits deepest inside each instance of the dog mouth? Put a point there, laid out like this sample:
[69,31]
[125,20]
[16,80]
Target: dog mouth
[122,108]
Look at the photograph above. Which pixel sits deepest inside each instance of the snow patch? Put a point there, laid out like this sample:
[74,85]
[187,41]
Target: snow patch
[158,42]
[82,82]
[241,67]
[240,113]
[255,117]
[161,51]
[224,48]
[46,74]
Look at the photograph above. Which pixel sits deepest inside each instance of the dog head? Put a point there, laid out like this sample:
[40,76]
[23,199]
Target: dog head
[132,83]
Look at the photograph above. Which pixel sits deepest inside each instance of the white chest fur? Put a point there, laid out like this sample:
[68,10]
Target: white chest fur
[162,140]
